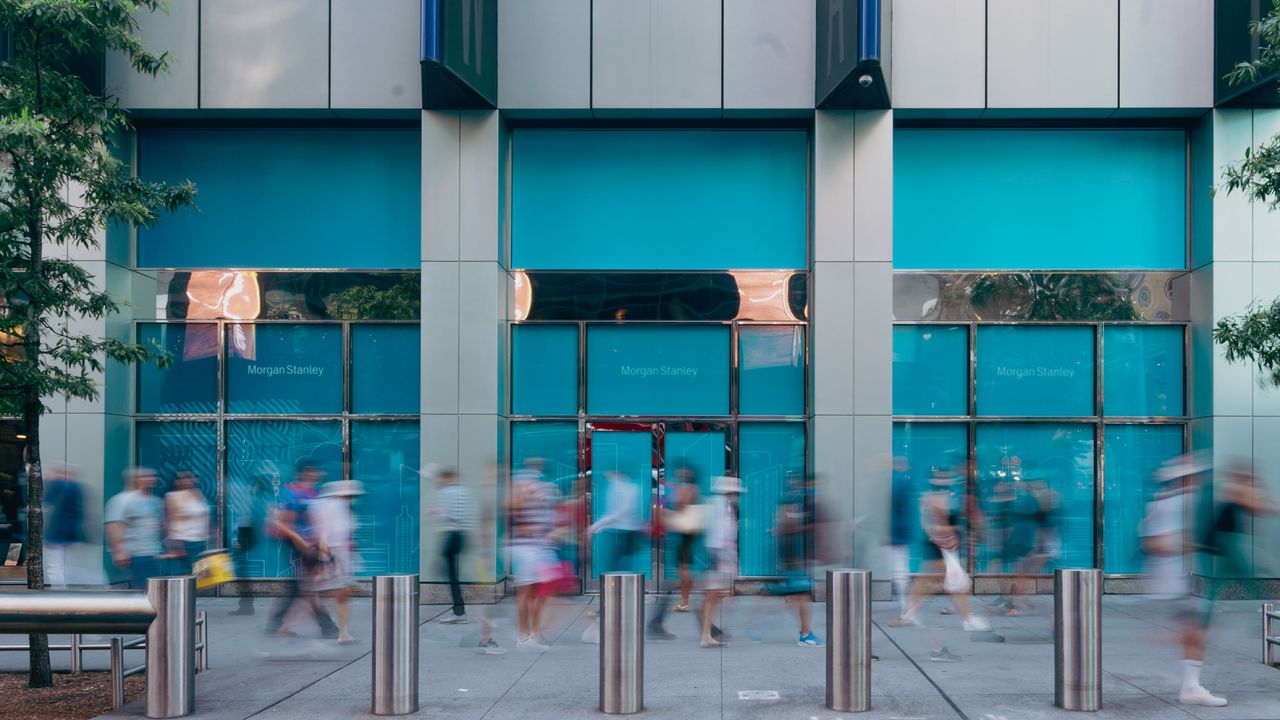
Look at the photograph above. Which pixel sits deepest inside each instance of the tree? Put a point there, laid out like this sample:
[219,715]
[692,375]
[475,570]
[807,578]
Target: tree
[1255,334]
[62,180]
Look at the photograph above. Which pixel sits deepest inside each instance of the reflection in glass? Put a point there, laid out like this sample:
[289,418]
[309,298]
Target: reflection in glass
[1035,370]
[1133,453]
[764,295]
[190,383]
[930,370]
[261,457]
[1142,369]
[385,369]
[1035,491]
[282,369]
[770,455]
[922,451]
[771,370]
[386,456]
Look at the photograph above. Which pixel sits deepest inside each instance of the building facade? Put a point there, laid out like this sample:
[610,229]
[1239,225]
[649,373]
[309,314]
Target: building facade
[770,238]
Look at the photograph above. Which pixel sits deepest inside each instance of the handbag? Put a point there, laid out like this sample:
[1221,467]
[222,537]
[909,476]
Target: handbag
[688,520]
[956,580]
[213,568]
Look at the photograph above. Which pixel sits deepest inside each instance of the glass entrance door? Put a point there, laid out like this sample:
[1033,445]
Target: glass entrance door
[632,467]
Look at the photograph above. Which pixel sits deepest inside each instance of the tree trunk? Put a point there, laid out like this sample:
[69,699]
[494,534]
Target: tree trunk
[41,673]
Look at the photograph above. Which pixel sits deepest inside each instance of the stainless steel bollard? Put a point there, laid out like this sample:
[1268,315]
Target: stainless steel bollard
[395,644]
[117,673]
[849,640]
[171,647]
[621,643]
[77,657]
[1077,639]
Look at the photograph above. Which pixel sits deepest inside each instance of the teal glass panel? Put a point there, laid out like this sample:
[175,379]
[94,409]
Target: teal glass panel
[286,198]
[190,383]
[1035,371]
[1142,369]
[930,370]
[659,199]
[657,370]
[1035,489]
[385,369]
[1031,199]
[631,454]
[700,453]
[1133,454]
[261,458]
[386,457]
[556,443]
[173,447]
[282,369]
[770,370]
[921,450]
[544,369]
[771,454]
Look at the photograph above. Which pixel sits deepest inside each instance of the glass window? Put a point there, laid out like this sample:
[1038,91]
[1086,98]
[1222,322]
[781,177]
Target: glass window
[1142,370]
[544,369]
[261,458]
[1036,494]
[930,370]
[283,369]
[173,447]
[13,491]
[770,455]
[701,454]
[385,369]
[386,456]
[771,370]
[1133,453]
[922,451]
[190,383]
[557,444]
[657,370]
[1026,370]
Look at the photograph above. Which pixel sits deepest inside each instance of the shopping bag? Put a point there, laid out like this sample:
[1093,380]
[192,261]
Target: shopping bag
[213,568]
[956,580]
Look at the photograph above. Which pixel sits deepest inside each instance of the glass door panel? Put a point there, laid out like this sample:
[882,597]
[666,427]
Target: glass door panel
[702,453]
[628,455]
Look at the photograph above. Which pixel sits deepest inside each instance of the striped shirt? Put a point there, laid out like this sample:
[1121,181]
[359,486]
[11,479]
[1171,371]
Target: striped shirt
[455,502]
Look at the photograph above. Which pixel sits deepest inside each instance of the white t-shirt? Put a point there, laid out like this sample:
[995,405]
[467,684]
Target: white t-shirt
[1166,515]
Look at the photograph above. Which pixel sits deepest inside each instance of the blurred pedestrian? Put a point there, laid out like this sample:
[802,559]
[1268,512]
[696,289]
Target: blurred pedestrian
[455,519]
[134,520]
[532,512]
[722,546]
[334,523]
[903,527]
[64,521]
[621,523]
[289,523]
[187,519]
[250,523]
[684,523]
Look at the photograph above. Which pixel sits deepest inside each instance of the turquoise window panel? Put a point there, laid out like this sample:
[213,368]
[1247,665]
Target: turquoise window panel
[770,370]
[660,199]
[386,457]
[557,444]
[657,370]
[1142,368]
[1035,371]
[385,369]
[919,451]
[261,457]
[1133,454]
[284,369]
[930,370]
[173,447]
[1029,199]
[544,369]
[190,383]
[1025,469]
[702,452]
[770,455]
[630,453]
[286,198]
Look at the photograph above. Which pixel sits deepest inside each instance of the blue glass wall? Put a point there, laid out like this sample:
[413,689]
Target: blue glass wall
[386,457]
[1030,199]
[544,370]
[769,453]
[1035,371]
[284,369]
[770,370]
[1142,368]
[385,369]
[930,370]
[190,383]
[1133,453]
[286,198]
[171,447]
[659,199]
[631,454]
[658,370]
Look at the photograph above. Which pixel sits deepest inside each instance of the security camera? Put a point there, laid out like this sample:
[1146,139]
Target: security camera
[865,81]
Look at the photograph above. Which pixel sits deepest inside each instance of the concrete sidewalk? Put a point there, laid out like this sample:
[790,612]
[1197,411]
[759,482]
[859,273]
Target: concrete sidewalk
[253,676]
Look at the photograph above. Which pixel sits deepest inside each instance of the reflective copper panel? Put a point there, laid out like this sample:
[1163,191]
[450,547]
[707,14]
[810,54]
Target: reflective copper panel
[761,295]
[284,295]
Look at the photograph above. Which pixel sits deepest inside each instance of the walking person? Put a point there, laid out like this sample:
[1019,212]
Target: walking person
[334,523]
[795,525]
[187,518]
[289,523]
[903,529]
[64,521]
[684,522]
[722,545]
[619,527]
[532,511]
[134,520]
[455,519]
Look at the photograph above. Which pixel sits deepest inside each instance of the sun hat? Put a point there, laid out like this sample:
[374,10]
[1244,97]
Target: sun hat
[343,488]
[1183,466]
[726,484]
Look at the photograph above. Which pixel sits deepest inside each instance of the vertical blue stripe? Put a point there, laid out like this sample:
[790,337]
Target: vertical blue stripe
[869,30]
[430,40]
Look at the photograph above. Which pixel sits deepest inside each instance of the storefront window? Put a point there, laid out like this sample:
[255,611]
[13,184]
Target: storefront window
[770,370]
[1142,369]
[1035,371]
[658,370]
[13,499]
[1133,453]
[284,369]
[386,457]
[385,369]
[190,384]
[930,370]
[179,446]
[544,368]
[771,461]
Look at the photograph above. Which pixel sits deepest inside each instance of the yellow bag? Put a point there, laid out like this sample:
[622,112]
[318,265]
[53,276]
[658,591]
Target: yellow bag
[213,568]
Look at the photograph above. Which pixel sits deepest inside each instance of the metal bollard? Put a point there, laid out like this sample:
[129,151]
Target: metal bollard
[171,642]
[1269,639]
[77,657]
[395,644]
[1077,639]
[117,673]
[849,640]
[202,642]
[621,643]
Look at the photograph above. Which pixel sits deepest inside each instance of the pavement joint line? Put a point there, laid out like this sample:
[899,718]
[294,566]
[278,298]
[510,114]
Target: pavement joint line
[515,682]
[936,686]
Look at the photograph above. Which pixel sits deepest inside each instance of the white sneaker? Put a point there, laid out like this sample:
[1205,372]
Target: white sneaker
[454,620]
[591,635]
[1199,696]
[974,623]
[531,643]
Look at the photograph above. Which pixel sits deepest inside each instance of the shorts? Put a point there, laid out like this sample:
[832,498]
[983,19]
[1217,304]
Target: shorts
[531,564]
[684,548]
[724,569]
